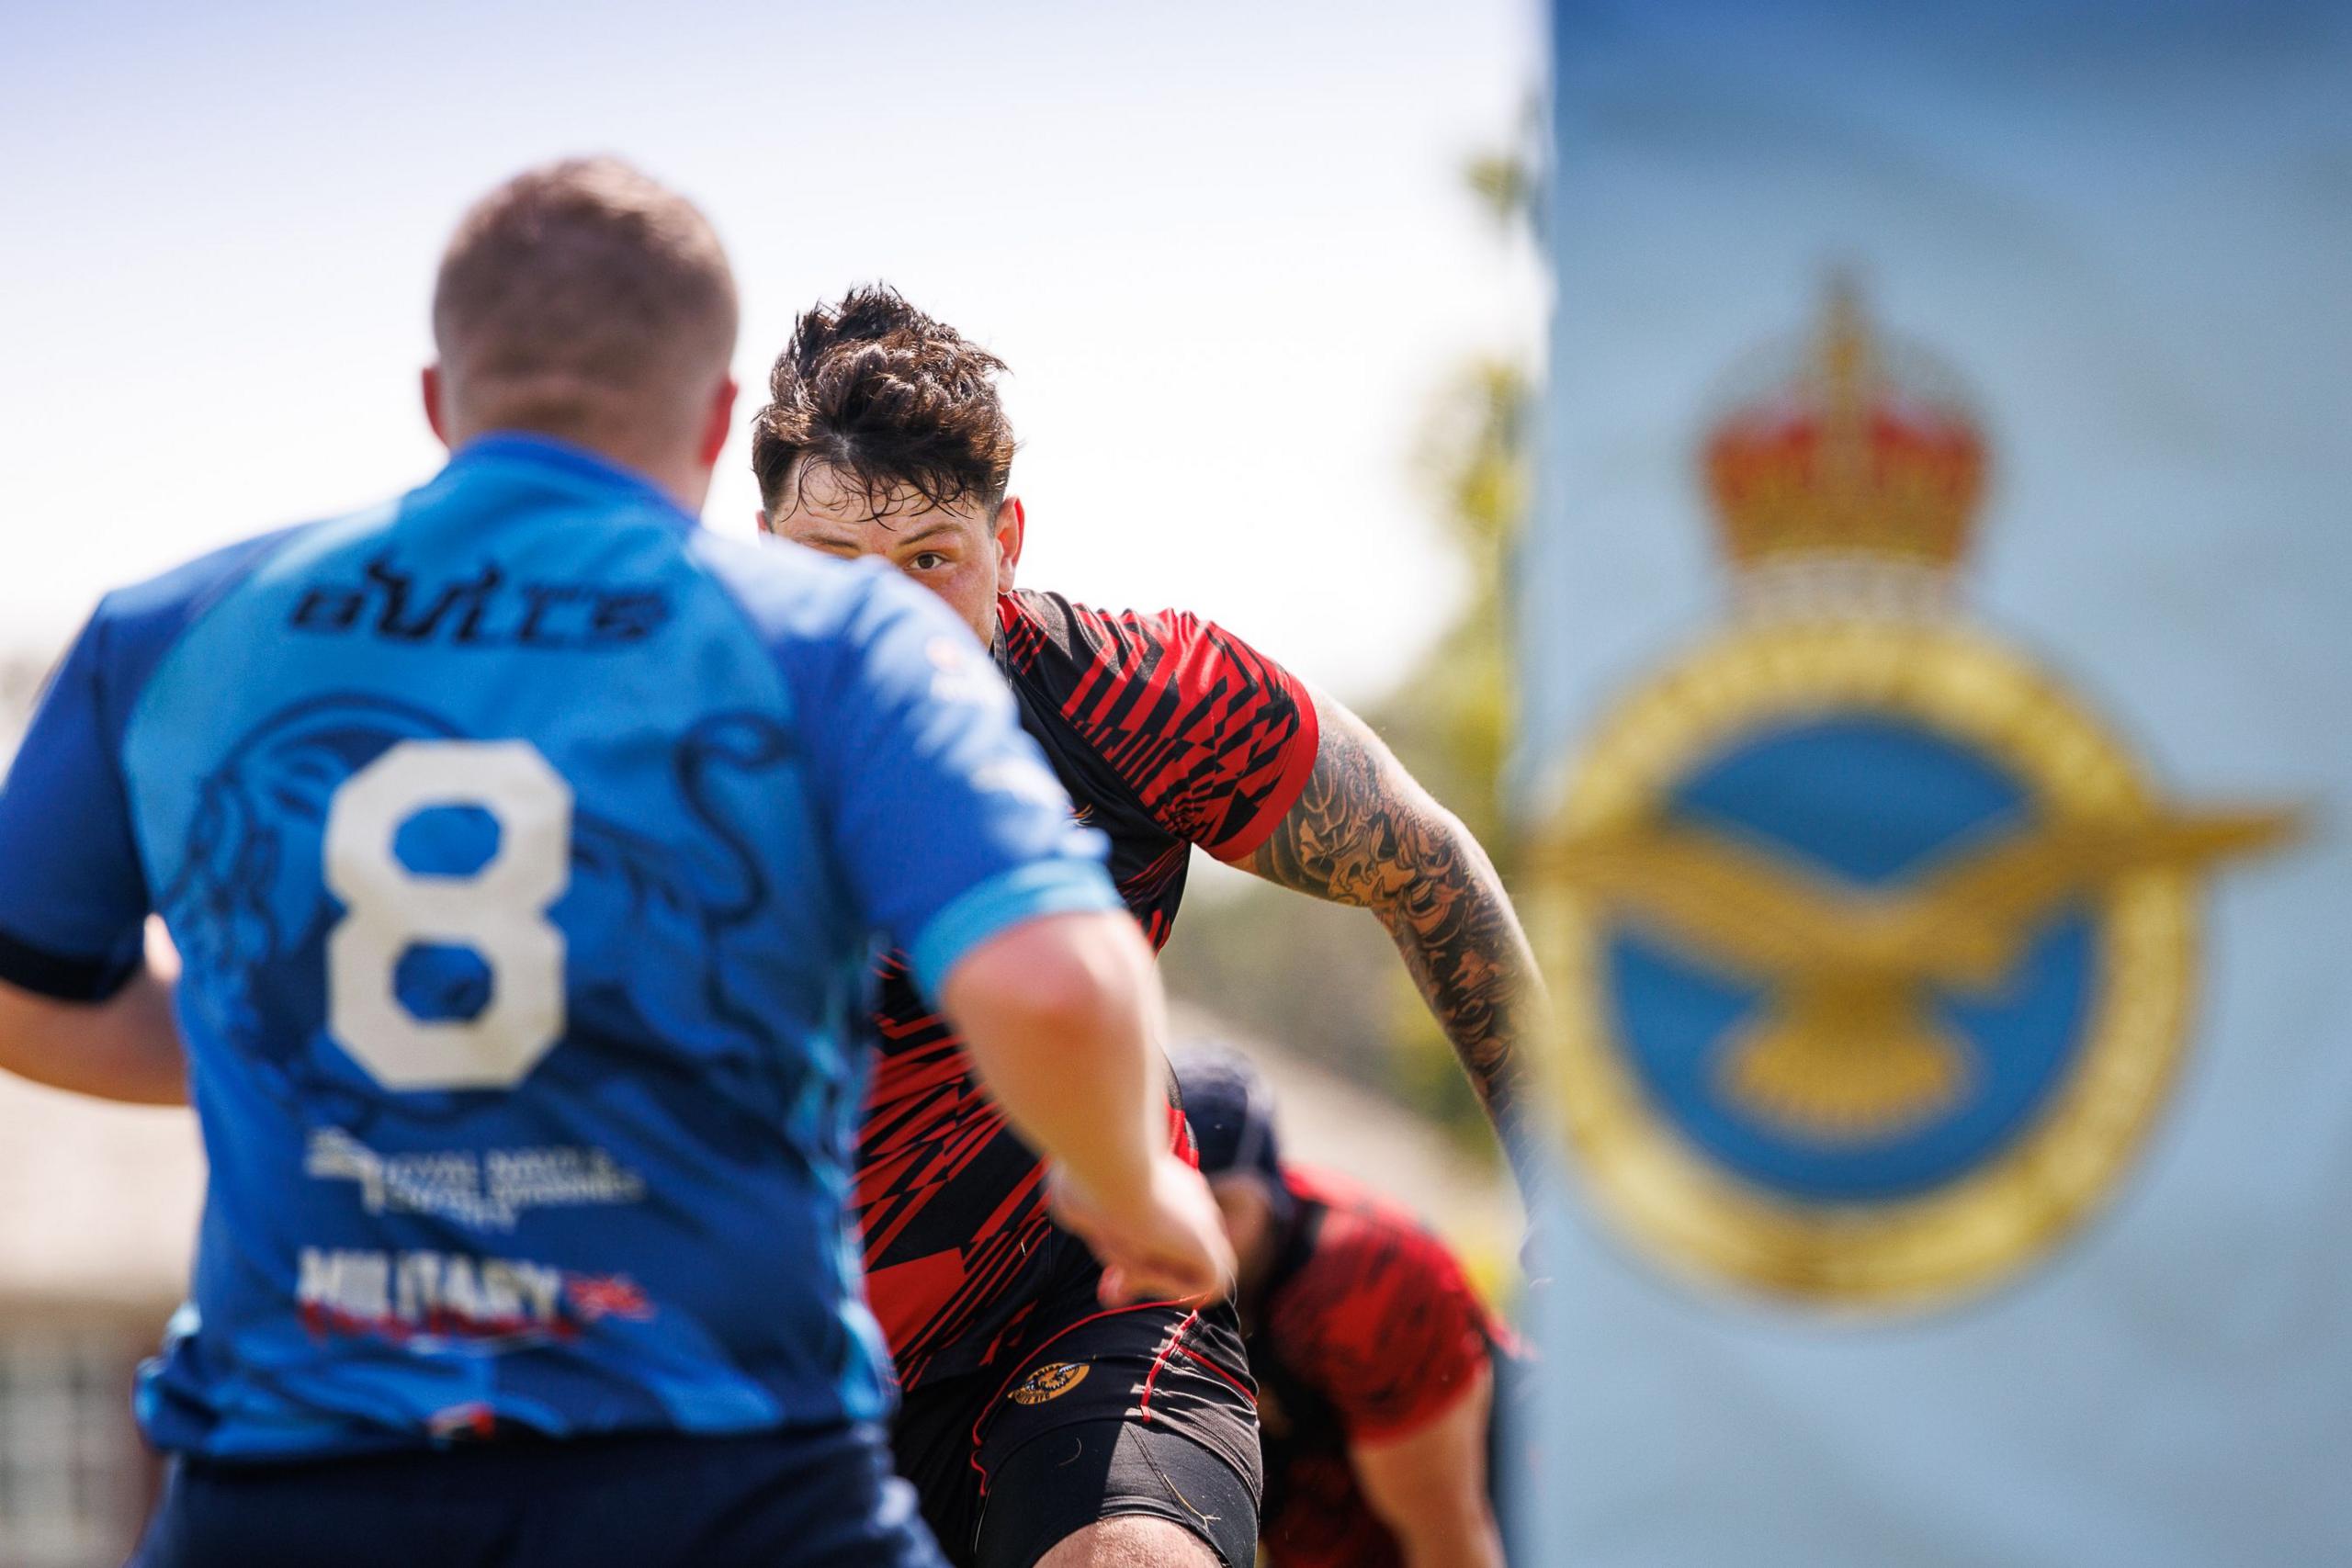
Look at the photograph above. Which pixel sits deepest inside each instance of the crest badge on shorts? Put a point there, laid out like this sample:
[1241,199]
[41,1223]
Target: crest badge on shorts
[1874,947]
[1050,1382]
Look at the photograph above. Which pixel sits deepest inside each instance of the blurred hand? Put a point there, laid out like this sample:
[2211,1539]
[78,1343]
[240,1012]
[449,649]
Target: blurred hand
[1167,1245]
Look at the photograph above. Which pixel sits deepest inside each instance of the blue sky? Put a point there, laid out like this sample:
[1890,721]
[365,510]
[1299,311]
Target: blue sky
[1223,245]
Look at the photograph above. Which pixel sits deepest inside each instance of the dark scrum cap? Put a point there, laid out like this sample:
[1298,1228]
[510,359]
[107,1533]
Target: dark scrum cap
[1232,1113]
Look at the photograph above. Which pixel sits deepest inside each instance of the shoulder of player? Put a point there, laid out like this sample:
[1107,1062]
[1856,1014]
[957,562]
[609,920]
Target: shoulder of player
[793,598]
[134,626]
[1044,618]
[194,583]
[1379,1316]
[777,584]
[1365,1242]
[1358,1206]
[1046,633]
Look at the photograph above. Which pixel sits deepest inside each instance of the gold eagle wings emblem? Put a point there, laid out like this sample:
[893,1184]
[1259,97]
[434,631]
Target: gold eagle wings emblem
[1848,1046]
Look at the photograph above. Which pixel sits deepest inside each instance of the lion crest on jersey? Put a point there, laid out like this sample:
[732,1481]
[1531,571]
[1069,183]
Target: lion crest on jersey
[246,889]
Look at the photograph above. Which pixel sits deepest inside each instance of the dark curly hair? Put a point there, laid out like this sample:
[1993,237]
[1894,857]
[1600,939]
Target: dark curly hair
[890,402]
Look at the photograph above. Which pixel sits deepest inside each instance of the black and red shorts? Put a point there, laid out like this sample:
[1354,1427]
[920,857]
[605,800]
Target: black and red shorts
[1146,1410]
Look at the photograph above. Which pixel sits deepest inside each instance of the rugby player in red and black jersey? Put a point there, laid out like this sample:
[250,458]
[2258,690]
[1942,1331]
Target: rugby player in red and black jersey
[1380,1372]
[884,436]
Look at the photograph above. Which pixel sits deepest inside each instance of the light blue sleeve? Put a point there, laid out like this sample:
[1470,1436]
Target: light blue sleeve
[947,820]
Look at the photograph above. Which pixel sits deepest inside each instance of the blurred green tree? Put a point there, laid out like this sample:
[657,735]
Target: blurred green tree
[1326,980]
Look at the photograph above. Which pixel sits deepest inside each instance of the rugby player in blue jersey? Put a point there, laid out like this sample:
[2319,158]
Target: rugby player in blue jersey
[527,849]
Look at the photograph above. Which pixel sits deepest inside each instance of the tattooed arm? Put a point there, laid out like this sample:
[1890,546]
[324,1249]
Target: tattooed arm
[1363,832]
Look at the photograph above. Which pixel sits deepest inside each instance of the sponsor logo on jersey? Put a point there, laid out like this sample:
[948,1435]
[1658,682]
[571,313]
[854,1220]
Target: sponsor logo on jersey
[472,1420]
[485,609]
[1049,1381]
[1874,948]
[431,1300]
[486,1191]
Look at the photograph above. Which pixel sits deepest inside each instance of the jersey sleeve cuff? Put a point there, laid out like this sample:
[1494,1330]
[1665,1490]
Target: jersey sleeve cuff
[61,978]
[1003,901]
[1298,768]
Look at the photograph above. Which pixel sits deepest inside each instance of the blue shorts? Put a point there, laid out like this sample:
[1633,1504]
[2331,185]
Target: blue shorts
[823,1499]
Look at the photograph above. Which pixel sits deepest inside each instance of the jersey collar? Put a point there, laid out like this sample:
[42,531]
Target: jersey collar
[562,459]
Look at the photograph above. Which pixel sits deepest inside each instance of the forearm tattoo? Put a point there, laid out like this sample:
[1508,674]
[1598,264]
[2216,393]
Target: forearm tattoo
[1363,832]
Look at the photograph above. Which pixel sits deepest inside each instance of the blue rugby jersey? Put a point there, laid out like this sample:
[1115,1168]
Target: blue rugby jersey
[527,849]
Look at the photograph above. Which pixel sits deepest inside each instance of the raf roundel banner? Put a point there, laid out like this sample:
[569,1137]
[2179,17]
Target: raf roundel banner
[1935,676]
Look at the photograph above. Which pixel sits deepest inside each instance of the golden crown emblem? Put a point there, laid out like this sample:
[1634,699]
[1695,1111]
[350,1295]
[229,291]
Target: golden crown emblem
[1846,446]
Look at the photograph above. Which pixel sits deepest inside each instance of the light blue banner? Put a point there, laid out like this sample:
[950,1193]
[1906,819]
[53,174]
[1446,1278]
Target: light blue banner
[1939,598]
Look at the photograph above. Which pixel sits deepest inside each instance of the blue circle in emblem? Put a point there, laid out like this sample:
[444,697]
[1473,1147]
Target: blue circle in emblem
[1873,803]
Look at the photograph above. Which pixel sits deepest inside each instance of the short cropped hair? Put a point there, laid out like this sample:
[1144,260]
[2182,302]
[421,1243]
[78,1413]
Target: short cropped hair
[895,406]
[582,298]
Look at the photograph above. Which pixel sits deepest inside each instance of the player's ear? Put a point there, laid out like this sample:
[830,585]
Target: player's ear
[760,521]
[716,418]
[431,383]
[1011,529]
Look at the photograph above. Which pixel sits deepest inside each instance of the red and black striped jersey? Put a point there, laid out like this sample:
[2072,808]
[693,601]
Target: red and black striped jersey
[1167,732]
[1366,1330]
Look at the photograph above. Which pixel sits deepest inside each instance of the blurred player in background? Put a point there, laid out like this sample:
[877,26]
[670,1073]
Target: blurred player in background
[526,848]
[1378,1365]
[885,436]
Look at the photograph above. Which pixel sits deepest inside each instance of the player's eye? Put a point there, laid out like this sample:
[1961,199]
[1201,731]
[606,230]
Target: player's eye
[928,560]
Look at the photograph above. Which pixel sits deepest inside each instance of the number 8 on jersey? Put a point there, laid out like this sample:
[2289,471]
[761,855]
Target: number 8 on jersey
[499,912]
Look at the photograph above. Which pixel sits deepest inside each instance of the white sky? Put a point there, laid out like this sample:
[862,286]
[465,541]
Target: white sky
[1224,247]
